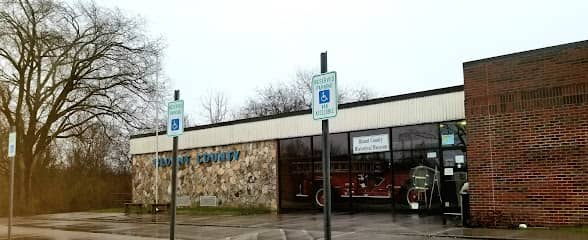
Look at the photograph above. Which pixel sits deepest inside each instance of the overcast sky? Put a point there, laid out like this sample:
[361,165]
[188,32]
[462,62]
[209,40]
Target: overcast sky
[392,47]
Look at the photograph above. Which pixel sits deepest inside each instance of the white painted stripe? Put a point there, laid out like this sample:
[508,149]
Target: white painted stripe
[307,234]
[336,235]
[343,234]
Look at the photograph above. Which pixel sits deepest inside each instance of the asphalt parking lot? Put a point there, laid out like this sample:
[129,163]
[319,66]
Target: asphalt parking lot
[373,226]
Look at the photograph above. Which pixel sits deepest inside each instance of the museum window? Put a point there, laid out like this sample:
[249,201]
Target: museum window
[416,166]
[453,134]
[453,146]
[339,152]
[296,171]
[371,169]
[339,143]
[415,137]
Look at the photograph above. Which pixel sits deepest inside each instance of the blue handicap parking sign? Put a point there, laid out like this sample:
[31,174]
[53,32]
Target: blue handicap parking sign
[324,96]
[175,124]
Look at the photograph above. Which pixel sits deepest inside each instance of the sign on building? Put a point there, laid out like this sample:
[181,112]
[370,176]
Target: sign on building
[324,96]
[175,118]
[184,201]
[12,144]
[208,201]
[370,144]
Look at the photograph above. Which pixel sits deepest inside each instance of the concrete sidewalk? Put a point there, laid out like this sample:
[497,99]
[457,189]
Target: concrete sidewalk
[373,226]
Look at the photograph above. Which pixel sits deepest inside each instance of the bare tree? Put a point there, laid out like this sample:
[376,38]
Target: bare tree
[215,105]
[294,96]
[273,99]
[303,84]
[356,94]
[66,67]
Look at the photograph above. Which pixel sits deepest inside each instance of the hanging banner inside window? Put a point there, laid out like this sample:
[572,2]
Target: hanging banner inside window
[369,144]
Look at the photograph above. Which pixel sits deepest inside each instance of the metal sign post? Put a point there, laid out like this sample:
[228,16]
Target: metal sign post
[157,135]
[324,106]
[11,156]
[175,128]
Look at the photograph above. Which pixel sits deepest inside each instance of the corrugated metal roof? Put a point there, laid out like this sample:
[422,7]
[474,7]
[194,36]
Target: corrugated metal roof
[423,107]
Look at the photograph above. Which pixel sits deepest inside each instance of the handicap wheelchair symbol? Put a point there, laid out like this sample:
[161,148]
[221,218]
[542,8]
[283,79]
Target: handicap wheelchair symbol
[324,96]
[175,124]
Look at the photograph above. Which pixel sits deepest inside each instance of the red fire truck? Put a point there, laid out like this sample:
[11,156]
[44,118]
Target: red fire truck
[410,186]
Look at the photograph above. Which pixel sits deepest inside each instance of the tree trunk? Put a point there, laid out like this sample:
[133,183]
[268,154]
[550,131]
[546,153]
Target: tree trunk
[28,190]
[19,184]
[27,175]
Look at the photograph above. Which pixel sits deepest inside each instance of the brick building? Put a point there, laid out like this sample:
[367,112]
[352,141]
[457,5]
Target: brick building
[527,116]
[520,139]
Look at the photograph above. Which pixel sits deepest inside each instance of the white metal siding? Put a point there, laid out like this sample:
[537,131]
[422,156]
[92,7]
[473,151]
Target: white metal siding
[436,108]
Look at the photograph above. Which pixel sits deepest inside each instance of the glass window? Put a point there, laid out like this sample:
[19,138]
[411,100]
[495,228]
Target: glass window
[371,180]
[416,178]
[295,148]
[339,145]
[454,158]
[296,173]
[339,152]
[415,137]
[453,134]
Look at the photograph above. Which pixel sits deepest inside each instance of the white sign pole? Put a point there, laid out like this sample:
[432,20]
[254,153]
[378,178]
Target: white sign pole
[11,155]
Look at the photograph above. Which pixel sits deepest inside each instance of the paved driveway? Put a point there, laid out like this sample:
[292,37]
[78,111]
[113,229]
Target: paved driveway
[372,226]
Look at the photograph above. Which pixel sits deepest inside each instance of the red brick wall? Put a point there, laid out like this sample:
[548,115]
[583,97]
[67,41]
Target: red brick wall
[527,116]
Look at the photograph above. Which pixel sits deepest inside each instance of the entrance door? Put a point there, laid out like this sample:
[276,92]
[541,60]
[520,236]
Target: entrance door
[454,176]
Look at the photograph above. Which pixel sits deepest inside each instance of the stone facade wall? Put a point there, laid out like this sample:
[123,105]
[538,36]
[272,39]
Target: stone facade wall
[527,116]
[250,181]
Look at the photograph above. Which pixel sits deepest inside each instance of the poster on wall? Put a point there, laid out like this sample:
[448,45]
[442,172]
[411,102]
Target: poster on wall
[447,139]
[370,144]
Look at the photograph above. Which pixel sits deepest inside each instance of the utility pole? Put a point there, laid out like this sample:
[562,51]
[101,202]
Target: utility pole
[157,134]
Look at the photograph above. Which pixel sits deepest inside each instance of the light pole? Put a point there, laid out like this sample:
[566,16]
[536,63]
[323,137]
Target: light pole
[157,133]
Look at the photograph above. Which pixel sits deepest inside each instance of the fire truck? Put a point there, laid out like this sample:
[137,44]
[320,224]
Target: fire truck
[410,186]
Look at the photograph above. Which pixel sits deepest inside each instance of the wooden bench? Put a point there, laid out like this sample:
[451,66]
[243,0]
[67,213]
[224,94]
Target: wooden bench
[130,206]
[158,207]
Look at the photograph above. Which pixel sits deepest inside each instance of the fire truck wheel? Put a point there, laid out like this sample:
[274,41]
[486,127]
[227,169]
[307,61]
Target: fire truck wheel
[319,198]
[412,195]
